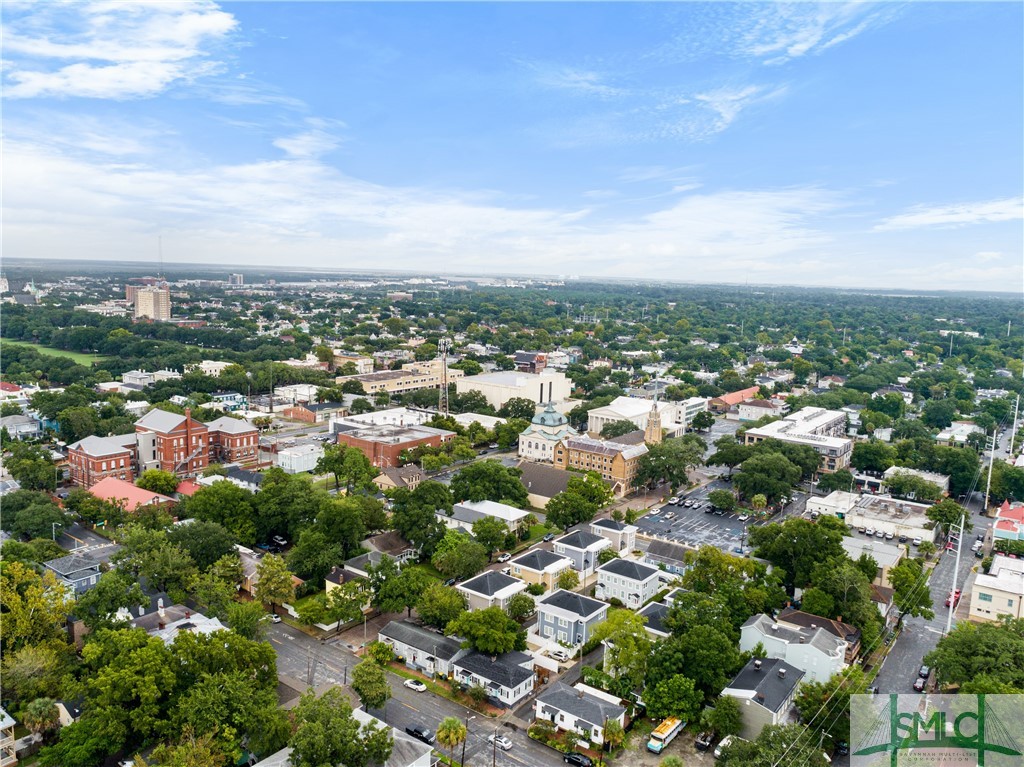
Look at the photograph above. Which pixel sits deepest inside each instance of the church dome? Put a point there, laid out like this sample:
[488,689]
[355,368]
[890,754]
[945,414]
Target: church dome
[550,417]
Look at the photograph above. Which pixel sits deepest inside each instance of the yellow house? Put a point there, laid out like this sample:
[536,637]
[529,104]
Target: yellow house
[540,567]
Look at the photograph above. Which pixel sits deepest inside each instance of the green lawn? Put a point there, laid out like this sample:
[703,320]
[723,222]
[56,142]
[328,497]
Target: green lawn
[79,357]
[429,569]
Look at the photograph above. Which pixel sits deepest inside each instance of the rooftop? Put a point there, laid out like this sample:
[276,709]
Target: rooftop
[490,583]
[581,540]
[627,568]
[539,560]
[816,637]
[573,603]
[72,565]
[655,614]
[504,670]
[761,677]
[412,635]
[124,493]
[592,710]
[1005,574]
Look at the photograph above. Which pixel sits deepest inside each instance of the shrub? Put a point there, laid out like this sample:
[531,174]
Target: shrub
[536,589]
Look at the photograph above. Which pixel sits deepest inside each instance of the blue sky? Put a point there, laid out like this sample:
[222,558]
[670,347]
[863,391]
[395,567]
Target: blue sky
[840,144]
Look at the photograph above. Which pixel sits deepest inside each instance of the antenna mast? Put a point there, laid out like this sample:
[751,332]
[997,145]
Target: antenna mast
[442,398]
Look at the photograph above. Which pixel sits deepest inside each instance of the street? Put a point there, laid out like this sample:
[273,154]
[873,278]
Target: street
[77,540]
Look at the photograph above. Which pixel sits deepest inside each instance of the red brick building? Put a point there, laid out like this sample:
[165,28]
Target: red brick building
[95,458]
[233,441]
[383,445]
[176,443]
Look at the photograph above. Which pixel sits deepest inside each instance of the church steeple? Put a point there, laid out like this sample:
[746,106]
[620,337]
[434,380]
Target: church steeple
[652,432]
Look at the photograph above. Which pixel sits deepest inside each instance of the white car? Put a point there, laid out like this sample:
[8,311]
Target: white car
[504,557]
[916,541]
[744,517]
[415,684]
[673,500]
[501,741]
[275,618]
[560,655]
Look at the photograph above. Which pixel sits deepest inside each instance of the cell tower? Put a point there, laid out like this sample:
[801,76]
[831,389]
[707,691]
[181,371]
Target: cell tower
[443,346]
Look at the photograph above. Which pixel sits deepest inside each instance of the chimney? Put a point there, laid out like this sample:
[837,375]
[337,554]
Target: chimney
[782,673]
[760,697]
[757,664]
[814,625]
[188,614]
[188,412]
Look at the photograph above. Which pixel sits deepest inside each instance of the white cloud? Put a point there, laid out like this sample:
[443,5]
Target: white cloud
[110,50]
[957,214]
[317,140]
[727,103]
[988,255]
[580,81]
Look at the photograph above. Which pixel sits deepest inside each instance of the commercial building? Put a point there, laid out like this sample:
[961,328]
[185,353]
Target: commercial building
[153,303]
[299,458]
[886,555]
[384,445]
[212,368]
[939,480]
[362,364]
[498,388]
[1000,592]
[815,427]
[879,512]
[617,463]
[410,377]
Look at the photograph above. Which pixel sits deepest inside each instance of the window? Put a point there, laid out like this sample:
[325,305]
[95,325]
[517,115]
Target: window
[984,597]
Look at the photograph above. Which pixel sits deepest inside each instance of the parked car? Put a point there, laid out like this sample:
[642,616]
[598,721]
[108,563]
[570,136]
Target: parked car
[577,759]
[670,515]
[924,671]
[916,542]
[709,509]
[879,533]
[450,582]
[744,517]
[501,741]
[862,530]
[415,684]
[279,540]
[673,501]
[275,618]
[919,684]
[903,539]
[869,532]
[704,741]
[562,656]
[506,571]
[504,557]
[548,537]
[687,503]
[421,733]
[889,536]
[953,597]
[979,553]
[697,504]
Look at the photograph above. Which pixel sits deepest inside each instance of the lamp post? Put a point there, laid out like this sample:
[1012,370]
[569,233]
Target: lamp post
[463,759]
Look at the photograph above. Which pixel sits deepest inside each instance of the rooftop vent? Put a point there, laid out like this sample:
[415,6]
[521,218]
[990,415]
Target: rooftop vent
[757,664]
[782,673]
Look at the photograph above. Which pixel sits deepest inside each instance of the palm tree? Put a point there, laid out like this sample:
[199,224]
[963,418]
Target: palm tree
[759,502]
[450,733]
[614,735]
[40,716]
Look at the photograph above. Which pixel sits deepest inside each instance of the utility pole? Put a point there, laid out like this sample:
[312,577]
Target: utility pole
[1013,434]
[463,759]
[991,460]
[442,398]
[956,570]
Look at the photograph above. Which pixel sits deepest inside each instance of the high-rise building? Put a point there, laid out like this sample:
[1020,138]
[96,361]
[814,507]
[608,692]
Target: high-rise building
[236,279]
[153,303]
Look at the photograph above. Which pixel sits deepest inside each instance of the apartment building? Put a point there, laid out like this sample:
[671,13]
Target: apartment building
[675,417]
[1000,592]
[816,427]
[93,459]
[153,302]
[617,463]
[410,377]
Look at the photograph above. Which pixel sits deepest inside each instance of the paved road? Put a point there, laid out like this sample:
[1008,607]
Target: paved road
[78,540]
[920,636]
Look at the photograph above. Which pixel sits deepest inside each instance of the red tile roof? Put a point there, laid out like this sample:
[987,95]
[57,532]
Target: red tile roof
[125,493]
[187,487]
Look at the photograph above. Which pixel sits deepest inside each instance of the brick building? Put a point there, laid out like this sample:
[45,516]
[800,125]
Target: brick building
[617,463]
[383,445]
[95,458]
[176,443]
[232,440]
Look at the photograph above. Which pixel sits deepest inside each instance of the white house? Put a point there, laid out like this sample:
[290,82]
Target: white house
[816,652]
[765,689]
[490,589]
[582,548]
[630,582]
[421,649]
[507,678]
[622,536]
[581,709]
[464,514]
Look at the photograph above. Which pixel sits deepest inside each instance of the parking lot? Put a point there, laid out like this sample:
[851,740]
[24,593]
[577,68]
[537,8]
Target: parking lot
[702,527]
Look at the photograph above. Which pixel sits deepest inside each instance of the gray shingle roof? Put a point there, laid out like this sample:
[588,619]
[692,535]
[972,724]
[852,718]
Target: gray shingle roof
[655,614]
[589,708]
[443,647]
[610,524]
[818,638]
[503,670]
[579,539]
[489,583]
[538,560]
[73,564]
[573,602]
[160,420]
[767,682]
[666,551]
[98,446]
[545,481]
[627,568]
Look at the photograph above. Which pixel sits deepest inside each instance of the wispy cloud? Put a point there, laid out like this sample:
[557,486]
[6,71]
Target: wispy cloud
[957,214]
[318,139]
[580,81]
[110,50]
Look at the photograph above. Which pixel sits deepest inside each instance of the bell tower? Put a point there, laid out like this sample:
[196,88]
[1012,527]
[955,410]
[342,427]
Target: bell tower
[652,432]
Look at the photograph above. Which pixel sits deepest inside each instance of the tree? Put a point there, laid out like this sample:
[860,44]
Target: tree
[615,429]
[568,579]
[872,455]
[938,413]
[313,555]
[273,582]
[725,718]
[769,474]
[31,465]
[464,560]
[947,513]
[489,631]
[229,506]
[676,696]
[204,542]
[32,514]
[35,607]
[327,733]
[413,513]
[450,733]
[344,521]
[973,651]
[380,653]
[114,591]
[91,509]
[703,653]
[909,594]
[191,751]
[759,502]
[370,683]
[729,453]
[212,594]
[839,480]
[796,546]
[772,747]
[518,407]
[627,646]
[520,607]
[247,619]
[702,421]
[41,716]
[157,481]
[722,499]
[36,671]
[868,565]
[490,532]
[168,568]
[614,735]
[439,605]
[604,556]
[566,509]
[825,706]
[489,481]
[669,461]
[402,592]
